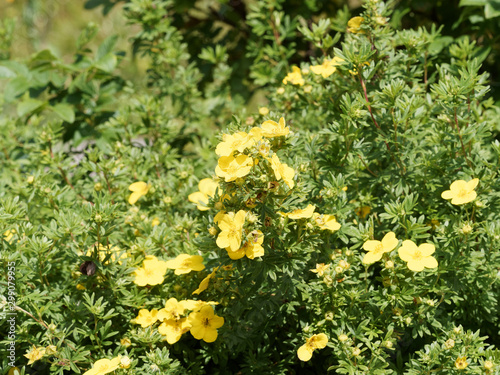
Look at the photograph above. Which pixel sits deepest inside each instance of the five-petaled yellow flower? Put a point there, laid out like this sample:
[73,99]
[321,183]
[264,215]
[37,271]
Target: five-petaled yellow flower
[304,213]
[208,188]
[138,190]
[377,248]
[295,77]
[461,192]
[204,324]
[320,268]
[104,366]
[173,329]
[271,129]
[252,248]
[314,342]
[35,354]
[282,171]
[328,67]
[146,318]
[354,25]
[230,168]
[461,363]
[173,310]
[237,142]
[185,263]
[231,226]
[326,222]
[151,272]
[418,258]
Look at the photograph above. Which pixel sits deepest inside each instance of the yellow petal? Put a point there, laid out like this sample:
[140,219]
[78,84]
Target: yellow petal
[304,353]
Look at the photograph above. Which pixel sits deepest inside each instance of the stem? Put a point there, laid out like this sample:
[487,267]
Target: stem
[460,136]
[366,166]
[109,187]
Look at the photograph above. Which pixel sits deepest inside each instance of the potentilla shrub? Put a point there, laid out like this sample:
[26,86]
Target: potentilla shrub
[350,224]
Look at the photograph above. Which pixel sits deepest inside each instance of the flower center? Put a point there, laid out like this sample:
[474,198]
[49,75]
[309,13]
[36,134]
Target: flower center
[379,248]
[206,322]
[462,193]
[417,255]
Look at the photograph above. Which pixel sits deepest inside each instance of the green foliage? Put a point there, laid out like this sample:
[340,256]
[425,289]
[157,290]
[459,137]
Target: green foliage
[366,126]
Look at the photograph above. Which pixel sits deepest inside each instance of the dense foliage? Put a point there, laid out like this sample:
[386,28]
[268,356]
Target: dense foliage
[293,189]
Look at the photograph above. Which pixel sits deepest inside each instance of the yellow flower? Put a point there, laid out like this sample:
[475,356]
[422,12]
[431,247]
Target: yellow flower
[234,142]
[253,247]
[151,273]
[488,365]
[104,366]
[378,248]
[125,342]
[282,171]
[138,190]
[230,168]
[328,67]
[363,211]
[35,354]
[8,234]
[204,324]
[263,111]
[295,77]
[314,342]
[146,318]
[231,226]
[326,222]
[155,222]
[186,263]
[461,192]
[271,129]
[320,268]
[204,283]
[208,188]
[173,329]
[104,251]
[304,213]
[194,305]
[173,310]
[418,257]
[461,363]
[125,362]
[354,25]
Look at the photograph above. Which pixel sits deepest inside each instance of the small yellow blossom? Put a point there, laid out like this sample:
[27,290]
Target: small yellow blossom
[320,268]
[125,342]
[271,129]
[328,67]
[138,190]
[354,25]
[282,171]
[326,222]
[466,229]
[252,248]
[104,366]
[450,343]
[280,90]
[234,142]
[418,258]
[304,213]
[343,337]
[314,342]
[125,362]
[146,318]
[461,192]
[35,354]
[208,188]
[173,310]
[204,324]
[151,272]
[378,248]
[363,211]
[231,226]
[173,329]
[356,351]
[155,222]
[30,179]
[295,77]
[263,111]
[185,263]
[488,365]
[231,168]
[461,363]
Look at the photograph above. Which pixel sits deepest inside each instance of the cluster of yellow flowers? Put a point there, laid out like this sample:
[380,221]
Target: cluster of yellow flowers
[417,257]
[323,221]
[38,352]
[201,322]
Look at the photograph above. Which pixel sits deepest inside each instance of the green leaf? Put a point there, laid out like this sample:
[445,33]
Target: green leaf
[477,3]
[28,106]
[17,86]
[492,10]
[107,63]
[65,112]
[6,72]
[106,47]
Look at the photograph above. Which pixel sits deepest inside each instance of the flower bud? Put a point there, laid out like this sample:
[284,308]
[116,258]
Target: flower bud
[389,264]
[466,229]
[30,179]
[125,362]
[125,342]
[343,338]
[98,186]
[356,351]
[213,231]
[450,343]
